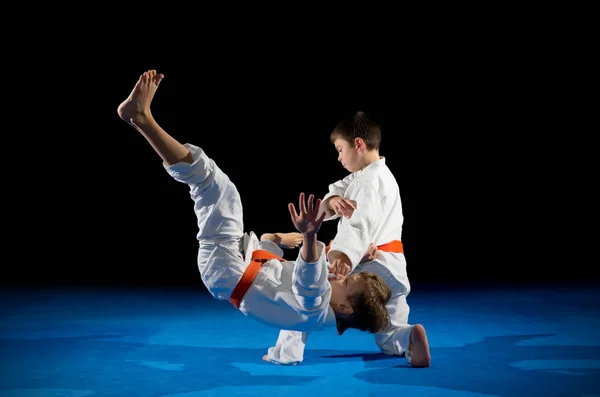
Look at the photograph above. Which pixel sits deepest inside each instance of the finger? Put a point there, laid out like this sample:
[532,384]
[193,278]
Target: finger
[302,204]
[346,210]
[311,198]
[374,250]
[338,210]
[350,203]
[293,212]
[371,253]
[315,212]
[320,220]
[342,269]
[266,358]
[332,267]
[337,266]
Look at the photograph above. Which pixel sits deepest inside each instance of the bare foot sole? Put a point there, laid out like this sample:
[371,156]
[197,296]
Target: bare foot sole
[136,108]
[284,240]
[418,350]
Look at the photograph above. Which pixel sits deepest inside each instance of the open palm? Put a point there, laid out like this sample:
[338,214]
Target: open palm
[308,220]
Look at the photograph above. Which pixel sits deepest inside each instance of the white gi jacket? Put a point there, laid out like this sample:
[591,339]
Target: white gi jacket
[287,295]
[377,219]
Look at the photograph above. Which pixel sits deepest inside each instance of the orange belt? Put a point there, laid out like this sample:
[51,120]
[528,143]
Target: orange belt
[258,258]
[392,246]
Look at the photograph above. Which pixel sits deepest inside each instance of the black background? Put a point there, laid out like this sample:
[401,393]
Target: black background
[86,200]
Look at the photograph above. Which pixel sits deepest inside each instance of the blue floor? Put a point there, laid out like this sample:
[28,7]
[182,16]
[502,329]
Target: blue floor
[150,342]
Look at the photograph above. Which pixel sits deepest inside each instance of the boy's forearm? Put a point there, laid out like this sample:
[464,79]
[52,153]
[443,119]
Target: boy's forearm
[309,280]
[324,207]
[328,200]
[310,248]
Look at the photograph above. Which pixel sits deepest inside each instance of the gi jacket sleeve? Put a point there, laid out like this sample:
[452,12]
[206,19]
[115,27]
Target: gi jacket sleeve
[356,233]
[335,189]
[309,280]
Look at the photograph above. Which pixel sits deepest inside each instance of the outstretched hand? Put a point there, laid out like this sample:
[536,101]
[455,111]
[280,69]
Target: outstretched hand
[308,221]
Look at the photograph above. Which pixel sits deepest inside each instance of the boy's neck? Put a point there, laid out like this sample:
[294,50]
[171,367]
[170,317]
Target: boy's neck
[369,158]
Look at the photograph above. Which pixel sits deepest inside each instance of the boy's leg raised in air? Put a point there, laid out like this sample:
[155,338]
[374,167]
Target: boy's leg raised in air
[135,110]
[217,203]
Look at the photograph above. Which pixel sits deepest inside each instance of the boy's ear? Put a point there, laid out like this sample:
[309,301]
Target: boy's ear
[359,144]
[346,309]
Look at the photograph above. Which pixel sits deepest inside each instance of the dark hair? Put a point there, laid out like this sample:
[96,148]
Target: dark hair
[370,313]
[358,126]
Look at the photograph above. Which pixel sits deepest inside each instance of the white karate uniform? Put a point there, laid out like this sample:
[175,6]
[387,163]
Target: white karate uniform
[377,219]
[287,295]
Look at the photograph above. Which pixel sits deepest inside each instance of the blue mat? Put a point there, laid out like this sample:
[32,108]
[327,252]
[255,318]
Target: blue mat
[151,342]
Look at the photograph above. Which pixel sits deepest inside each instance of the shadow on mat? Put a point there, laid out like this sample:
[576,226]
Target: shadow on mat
[499,366]
[109,364]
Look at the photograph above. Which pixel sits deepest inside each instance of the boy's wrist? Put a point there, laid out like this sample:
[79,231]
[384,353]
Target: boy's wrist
[308,237]
[329,200]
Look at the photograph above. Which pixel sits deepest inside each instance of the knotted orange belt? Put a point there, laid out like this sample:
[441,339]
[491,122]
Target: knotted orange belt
[261,256]
[258,258]
[392,246]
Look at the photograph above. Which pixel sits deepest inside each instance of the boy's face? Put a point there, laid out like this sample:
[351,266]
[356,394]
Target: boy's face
[347,155]
[343,287]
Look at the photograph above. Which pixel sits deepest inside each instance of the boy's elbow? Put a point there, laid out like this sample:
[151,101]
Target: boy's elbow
[309,303]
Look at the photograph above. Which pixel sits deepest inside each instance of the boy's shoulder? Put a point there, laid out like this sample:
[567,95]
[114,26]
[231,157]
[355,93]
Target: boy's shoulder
[377,167]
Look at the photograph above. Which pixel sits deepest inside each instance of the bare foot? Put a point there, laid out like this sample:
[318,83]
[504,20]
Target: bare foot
[136,108]
[284,240]
[418,351]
